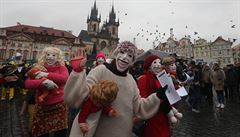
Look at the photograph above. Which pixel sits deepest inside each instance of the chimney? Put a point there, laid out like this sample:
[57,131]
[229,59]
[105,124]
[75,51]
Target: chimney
[171,32]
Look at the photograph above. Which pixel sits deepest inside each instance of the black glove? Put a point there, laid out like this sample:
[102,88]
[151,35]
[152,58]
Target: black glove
[165,107]
[161,92]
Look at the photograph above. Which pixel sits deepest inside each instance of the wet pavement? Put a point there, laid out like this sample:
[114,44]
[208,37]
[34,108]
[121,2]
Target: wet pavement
[210,122]
[11,124]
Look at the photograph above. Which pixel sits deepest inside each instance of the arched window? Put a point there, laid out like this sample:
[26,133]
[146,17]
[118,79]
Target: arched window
[103,45]
[25,54]
[94,27]
[19,51]
[34,57]
[113,31]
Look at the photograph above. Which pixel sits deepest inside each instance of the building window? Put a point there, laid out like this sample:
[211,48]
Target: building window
[20,45]
[34,55]
[11,51]
[13,45]
[103,44]
[229,61]
[223,60]
[113,32]
[2,53]
[25,53]
[67,56]
[19,51]
[94,27]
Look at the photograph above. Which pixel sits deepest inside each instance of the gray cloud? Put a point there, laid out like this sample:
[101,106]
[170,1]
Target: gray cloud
[207,17]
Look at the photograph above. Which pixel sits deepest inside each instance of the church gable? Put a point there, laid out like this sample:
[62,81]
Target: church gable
[20,37]
[61,41]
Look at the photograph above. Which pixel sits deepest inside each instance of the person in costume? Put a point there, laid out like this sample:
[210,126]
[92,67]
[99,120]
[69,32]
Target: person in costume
[22,67]
[158,125]
[168,63]
[10,80]
[100,97]
[128,103]
[51,114]
[100,58]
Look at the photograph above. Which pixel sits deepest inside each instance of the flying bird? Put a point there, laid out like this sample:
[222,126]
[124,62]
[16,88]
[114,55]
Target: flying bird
[233,26]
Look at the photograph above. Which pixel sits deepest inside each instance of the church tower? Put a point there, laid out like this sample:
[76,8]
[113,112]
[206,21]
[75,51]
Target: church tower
[93,21]
[112,25]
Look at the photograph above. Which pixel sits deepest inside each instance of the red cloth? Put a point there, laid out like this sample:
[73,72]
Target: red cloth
[1,80]
[158,125]
[88,108]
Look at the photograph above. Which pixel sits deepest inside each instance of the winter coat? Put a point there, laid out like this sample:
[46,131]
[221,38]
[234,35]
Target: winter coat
[217,79]
[158,125]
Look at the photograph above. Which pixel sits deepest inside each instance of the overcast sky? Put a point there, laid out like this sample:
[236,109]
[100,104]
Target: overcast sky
[146,20]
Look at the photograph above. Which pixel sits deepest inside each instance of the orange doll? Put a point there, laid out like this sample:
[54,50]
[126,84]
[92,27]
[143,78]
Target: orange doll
[32,73]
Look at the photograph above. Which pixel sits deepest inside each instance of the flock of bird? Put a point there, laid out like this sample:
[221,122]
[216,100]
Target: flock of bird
[154,35]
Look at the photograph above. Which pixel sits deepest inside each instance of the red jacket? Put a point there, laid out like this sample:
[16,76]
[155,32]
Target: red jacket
[88,108]
[158,125]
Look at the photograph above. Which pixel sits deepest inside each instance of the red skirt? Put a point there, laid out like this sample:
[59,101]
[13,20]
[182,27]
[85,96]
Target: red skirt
[49,119]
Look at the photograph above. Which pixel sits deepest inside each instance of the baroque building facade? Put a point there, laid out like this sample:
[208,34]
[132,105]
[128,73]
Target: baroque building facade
[236,54]
[184,48]
[202,51]
[170,46]
[104,38]
[31,40]
[221,51]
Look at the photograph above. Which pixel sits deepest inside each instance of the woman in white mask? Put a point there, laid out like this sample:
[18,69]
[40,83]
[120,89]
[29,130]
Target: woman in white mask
[51,114]
[158,125]
[128,102]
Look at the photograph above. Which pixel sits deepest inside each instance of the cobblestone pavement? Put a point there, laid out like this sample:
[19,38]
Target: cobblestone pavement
[210,122]
[11,124]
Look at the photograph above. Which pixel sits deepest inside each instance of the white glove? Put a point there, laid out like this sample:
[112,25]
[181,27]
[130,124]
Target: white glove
[41,75]
[49,84]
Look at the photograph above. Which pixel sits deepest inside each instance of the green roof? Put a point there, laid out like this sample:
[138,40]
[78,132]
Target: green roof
[84,36]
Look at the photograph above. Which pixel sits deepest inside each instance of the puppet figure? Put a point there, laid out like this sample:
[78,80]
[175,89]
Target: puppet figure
[32,73]
[101,96]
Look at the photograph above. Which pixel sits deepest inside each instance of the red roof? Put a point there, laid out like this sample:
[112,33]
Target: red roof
[40,30]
